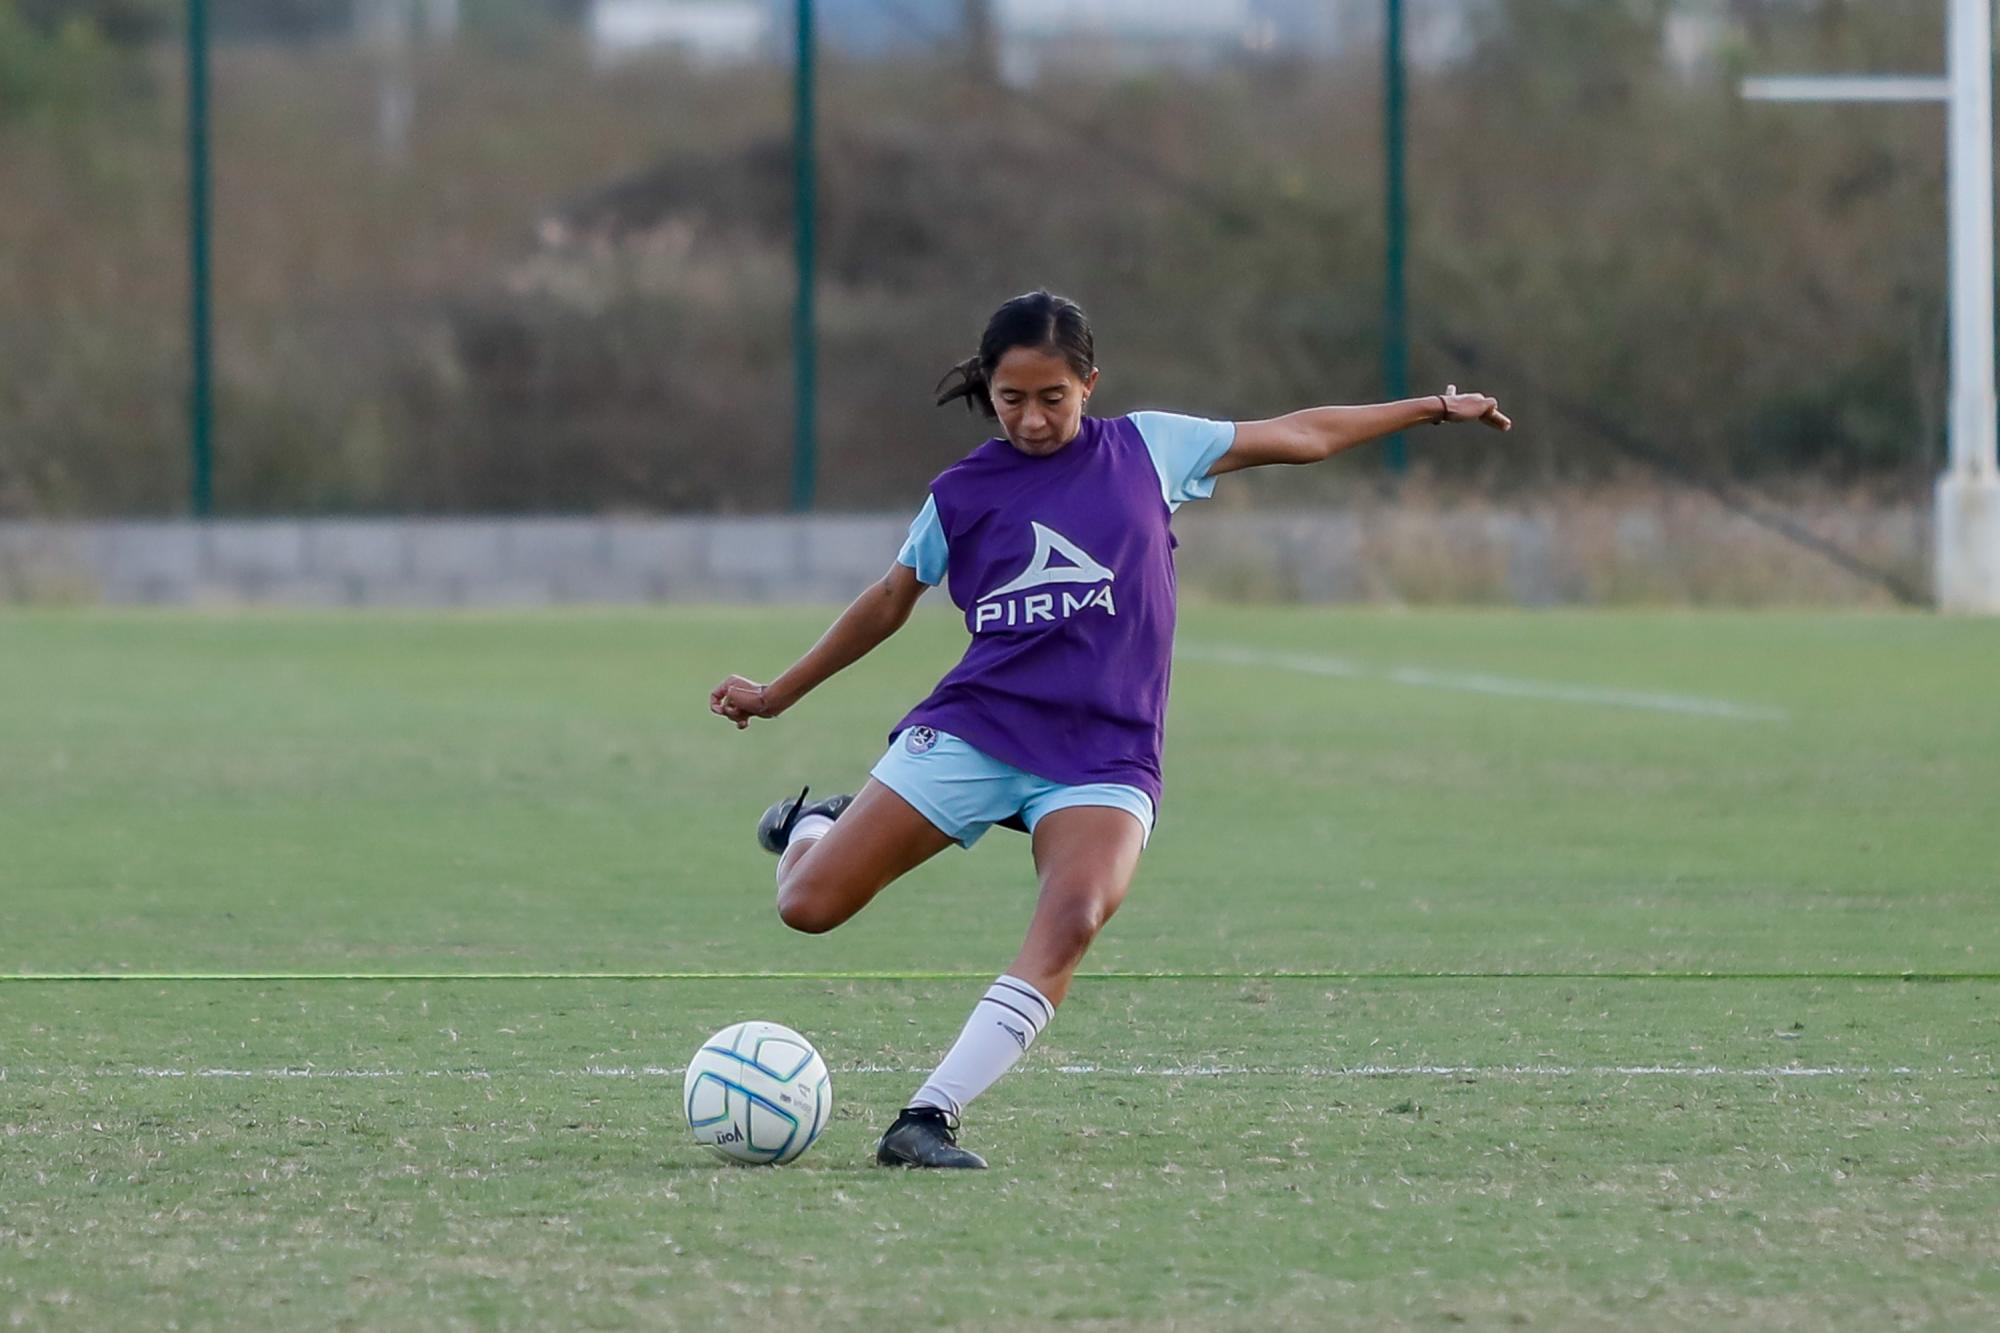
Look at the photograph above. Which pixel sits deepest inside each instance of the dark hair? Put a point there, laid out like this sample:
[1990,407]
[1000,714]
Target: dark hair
[1038,319]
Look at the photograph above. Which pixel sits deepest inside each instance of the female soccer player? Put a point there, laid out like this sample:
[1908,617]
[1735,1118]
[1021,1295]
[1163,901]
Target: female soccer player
[1056,539]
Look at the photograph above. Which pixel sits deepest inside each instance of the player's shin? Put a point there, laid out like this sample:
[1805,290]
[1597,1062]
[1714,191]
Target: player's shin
[1003,1025]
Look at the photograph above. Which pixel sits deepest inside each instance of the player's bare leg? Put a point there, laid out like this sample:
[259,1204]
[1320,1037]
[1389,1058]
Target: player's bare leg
[825,879]
[1085,857]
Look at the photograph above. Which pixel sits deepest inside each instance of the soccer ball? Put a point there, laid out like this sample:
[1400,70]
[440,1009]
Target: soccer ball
[757,1092]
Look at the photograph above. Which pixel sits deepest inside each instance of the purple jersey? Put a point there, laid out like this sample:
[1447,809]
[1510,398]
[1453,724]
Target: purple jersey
[1064,568]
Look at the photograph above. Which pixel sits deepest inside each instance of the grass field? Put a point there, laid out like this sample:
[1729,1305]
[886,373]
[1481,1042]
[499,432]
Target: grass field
[1802,804]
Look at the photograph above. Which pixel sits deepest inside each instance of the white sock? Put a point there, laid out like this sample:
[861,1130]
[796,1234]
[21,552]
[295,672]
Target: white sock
[809,828]
[1004,1024]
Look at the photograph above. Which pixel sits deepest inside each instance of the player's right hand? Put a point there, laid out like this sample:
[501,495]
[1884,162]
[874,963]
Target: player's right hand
[1474,407]
[739,699]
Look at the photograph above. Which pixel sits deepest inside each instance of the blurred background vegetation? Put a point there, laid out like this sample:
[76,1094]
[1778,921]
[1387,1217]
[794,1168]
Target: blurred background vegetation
[482,257]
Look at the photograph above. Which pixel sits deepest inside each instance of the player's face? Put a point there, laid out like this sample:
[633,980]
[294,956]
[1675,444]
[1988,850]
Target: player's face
[1040,399]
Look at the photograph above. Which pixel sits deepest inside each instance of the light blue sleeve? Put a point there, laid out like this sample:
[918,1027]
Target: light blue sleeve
[1183,450]
[925,551]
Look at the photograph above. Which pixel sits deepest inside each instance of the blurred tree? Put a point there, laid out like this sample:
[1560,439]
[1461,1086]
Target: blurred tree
[1579,54]
[982,52]
[279,20]
[574,290]
[49,62]
[121,22]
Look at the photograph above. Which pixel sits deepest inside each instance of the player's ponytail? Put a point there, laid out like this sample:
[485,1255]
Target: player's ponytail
[968,381]
[1038,319]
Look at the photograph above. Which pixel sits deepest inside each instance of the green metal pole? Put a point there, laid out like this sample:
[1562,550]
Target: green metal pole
[804,324]
[201,486]
[1395,300]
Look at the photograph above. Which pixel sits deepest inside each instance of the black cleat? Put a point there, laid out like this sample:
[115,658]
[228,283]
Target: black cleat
[774,830]
[925,1136]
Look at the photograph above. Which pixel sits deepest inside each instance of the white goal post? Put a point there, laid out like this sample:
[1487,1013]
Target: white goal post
[1967,550]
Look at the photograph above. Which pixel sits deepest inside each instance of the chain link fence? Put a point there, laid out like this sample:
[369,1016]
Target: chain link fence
[480,257]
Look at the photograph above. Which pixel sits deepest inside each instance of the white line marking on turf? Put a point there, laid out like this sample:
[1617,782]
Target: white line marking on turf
[1479,682]
[300,1072]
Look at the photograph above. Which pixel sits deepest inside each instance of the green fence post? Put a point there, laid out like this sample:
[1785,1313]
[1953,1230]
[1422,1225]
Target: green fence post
[201,497]
[804,330]
[1395,297]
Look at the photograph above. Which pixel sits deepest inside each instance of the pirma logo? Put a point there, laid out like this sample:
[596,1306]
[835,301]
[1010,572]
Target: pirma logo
[1057,560]
[919,740]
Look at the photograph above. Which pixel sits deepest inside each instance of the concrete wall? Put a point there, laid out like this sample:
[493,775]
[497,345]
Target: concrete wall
[1681,551]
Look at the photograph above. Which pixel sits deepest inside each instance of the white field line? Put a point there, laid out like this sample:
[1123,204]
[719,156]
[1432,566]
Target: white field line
[1479,682]
[1169,1071]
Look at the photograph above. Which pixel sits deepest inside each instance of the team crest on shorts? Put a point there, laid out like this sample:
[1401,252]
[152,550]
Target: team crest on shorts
[920,740]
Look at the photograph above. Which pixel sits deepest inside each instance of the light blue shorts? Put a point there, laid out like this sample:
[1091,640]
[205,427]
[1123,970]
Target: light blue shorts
[965,791]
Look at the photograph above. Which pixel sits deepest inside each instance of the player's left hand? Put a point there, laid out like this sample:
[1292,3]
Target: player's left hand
[1474,407]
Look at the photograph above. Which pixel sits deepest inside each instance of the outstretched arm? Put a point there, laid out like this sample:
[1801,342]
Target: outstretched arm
[1318,433]
[873,617]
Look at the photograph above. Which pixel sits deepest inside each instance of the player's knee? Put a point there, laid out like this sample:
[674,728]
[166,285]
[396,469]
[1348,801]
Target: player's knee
[804,915]
[1081,914]
[806,911]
